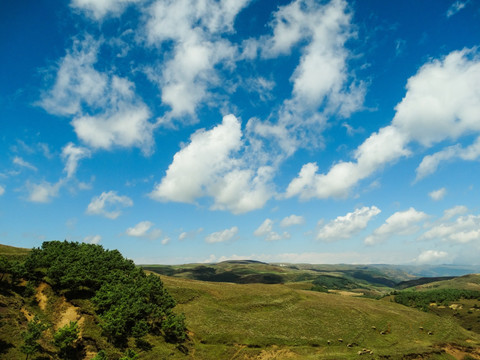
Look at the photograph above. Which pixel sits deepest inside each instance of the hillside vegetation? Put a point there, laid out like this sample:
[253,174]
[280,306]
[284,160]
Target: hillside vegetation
[78,301]
[104,299]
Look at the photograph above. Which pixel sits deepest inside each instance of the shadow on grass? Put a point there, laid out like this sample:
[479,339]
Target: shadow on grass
[143,345]
[4,346]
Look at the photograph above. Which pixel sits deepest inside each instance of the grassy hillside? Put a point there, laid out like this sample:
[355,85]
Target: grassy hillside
[466,282]
[241,321]
[12,251]
[267,312]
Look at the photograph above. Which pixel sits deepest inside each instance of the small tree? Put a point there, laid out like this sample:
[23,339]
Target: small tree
[130,355]
[65,338]
[35,328]
[174,328]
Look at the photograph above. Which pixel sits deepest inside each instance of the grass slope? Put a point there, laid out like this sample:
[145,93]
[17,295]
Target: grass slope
[245,321]
[6,250]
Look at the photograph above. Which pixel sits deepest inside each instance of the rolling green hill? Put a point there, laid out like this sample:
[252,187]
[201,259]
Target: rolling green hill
[242,321]
[235,310]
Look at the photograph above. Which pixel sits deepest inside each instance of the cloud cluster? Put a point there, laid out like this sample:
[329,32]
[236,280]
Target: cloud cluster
[344,227]
[98,9]
[144,229]
[106,111]
[222,236]
[195,28]
[108,204]
[461,230]
[210,166]
[431,256]
[266,231]
[441,103]
[400,223]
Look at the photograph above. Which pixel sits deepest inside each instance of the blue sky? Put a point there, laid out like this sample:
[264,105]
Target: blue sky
[203,130]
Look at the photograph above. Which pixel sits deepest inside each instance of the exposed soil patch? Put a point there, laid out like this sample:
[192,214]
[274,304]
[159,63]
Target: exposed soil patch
[27,314]
[41,297]
[459,352]
[69,313]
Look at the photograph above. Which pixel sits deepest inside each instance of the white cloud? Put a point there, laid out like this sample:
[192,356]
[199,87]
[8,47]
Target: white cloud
[97,9]
[400,223]
[266,230]
[322,84]
[343,227]
[189,234]
[292,220]
[165,240]
[463,229]
[105,109]
[442,99]
[196,29]
[456,210]
[207,167]
[441,103]
[456,7]
[431,256]
[2,190]
[22,163]
[379,149]
[72,154]
[202,160]
[144,230]
[437,195]
[92,239]
[43,192]
[222,236]
[108,204]
[430,163]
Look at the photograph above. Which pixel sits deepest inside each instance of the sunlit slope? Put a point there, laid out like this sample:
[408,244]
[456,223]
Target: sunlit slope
[466,282]
[225,318]
[13,251]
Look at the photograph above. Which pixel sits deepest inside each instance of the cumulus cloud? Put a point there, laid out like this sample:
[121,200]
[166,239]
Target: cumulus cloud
[462,230]
[266,230]
[105,109]
[222,236]
[441,103]
[343,227]
[98,9]
[430,163]
[92,239]
[431,256]
[207,167]
[144,229]
[17,160]
[437,195]
[195,28]
[108,204]
[452,212]
[400,223]
[2,190]
[322,84]
[292,220]
[387,145]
